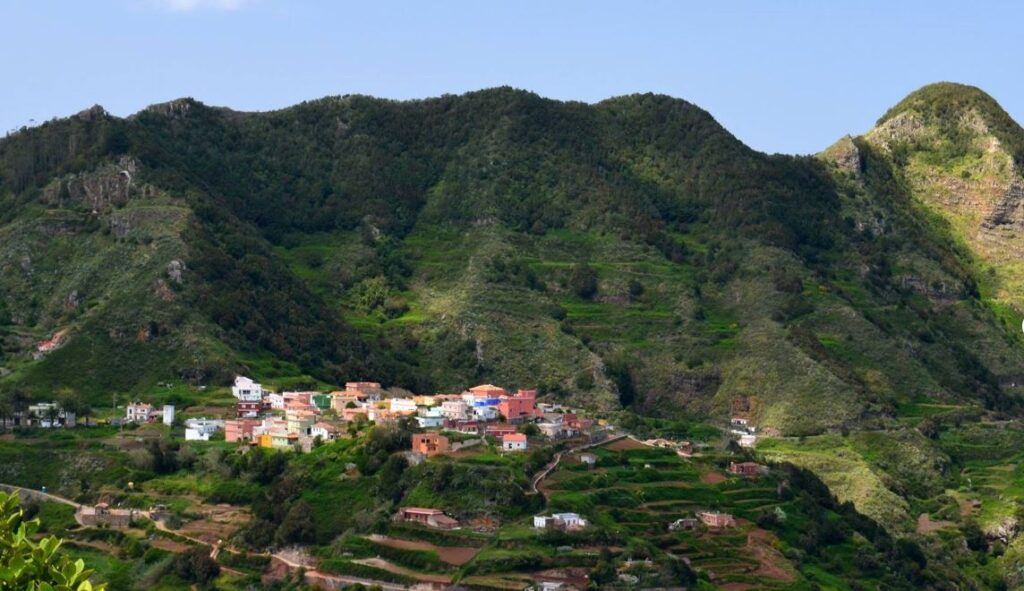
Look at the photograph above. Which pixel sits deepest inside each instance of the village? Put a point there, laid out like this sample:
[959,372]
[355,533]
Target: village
[299,420]
[484,419]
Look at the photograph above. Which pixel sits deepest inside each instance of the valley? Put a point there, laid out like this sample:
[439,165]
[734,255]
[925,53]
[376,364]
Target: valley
[737,370]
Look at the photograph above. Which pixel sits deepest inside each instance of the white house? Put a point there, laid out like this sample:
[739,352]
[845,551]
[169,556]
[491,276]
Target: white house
[485,413]
[138,412]
[275,400]
[513,442]
[571,520]
[50,414]
[168,414]
[748,440]
[325,431]
[200,429]
[247,390]
[195,435]
[430,418]
[454,409]
[560,520]
[402,405]
[550,429]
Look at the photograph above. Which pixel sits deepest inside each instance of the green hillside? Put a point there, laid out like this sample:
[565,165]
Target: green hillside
[630,252]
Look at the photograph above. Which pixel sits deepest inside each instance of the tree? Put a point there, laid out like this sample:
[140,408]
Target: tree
[529,429]
[583,281]
[196,566]
[35,566]
[298,526]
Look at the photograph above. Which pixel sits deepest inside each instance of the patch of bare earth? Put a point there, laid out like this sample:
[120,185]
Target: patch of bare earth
[625,444]
[401,570]
[712,477]
[454,555]
[926,525]
[169,545]
[219,523]
[771,563]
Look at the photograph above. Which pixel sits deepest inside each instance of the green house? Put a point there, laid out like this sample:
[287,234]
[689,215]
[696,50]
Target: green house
[322,401]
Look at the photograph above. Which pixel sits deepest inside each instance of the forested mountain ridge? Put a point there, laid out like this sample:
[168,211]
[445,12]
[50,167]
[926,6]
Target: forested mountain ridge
[627,252]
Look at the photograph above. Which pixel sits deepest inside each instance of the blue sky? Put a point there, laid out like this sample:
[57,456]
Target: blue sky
[784,76]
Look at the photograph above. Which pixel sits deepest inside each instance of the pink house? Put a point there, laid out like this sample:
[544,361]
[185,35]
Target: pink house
[520,406]
[239,429]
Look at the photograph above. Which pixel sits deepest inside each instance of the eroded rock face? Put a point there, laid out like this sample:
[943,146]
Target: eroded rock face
[175,269]
[903,127]
[846,155]
[177,108]
[99,190]
[1003,531]
[1009,210]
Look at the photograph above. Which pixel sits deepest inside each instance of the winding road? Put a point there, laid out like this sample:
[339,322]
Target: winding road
[540,476]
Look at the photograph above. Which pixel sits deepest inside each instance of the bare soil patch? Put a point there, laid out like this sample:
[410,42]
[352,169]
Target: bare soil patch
[624,444]
[454,555]
[712,477]
[169,545]
[926,525]
[772,564]
[400,570]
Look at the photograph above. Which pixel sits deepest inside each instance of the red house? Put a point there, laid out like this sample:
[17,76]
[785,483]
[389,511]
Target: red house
[248,410]
[744,468]
[500,429]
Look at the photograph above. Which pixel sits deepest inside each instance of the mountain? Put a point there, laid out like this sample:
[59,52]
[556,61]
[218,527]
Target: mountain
[962,157]
[630,252]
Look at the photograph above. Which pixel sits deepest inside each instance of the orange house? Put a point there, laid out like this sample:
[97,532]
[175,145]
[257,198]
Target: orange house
[488,391]
[429,444]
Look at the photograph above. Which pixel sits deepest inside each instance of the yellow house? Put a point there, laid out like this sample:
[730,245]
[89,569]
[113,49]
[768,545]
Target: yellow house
[300,422]
[424,400]
[281,440]
[340,400]
[266,440]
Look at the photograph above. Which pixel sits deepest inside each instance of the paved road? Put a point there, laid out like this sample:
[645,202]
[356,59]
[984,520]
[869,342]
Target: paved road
[558,458]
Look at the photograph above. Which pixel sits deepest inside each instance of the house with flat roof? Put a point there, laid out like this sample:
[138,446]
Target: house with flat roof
[745,468]
[247,390]
[716,519]
[429,517]
[138,412]
[429,444]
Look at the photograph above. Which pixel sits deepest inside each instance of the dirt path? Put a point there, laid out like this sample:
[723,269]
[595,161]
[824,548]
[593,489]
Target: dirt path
[38,494]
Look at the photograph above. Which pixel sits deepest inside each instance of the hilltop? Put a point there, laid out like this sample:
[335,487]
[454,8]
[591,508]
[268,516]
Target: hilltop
[628,253]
